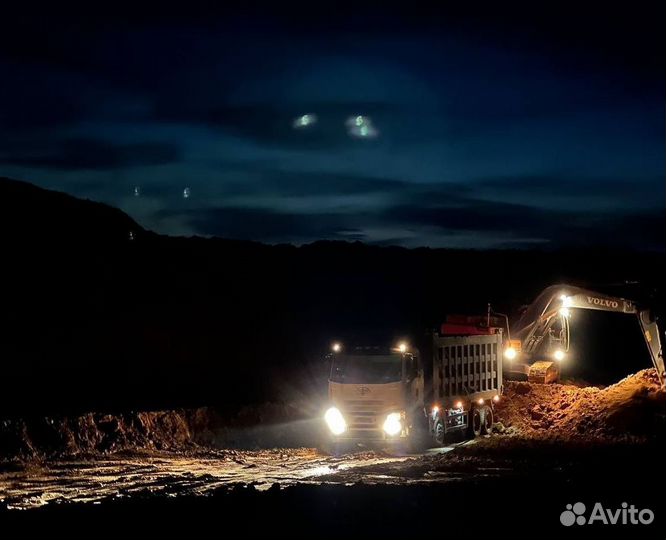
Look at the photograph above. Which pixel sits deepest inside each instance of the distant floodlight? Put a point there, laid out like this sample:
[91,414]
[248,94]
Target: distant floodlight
[186,193]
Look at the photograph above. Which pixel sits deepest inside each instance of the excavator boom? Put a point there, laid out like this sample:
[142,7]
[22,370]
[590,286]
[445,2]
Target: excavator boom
[584,299]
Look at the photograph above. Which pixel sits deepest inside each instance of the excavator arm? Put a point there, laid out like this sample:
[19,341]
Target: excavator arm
[543,330]
[653,340]
[584,299]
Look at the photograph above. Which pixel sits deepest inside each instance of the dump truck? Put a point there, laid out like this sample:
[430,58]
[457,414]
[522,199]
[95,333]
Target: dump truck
[415,397]
[466,357]
[375,394]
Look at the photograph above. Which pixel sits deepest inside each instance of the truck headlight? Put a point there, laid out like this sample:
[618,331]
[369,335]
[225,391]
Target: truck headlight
[335,421]
[392,424]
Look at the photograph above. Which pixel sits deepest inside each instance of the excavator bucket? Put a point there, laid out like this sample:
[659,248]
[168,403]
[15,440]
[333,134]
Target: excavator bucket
[544,372]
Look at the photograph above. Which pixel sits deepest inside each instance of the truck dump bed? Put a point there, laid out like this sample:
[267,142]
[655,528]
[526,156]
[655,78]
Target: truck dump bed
[466,367]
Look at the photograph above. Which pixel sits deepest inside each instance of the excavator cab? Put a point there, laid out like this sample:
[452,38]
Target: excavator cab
[539,341]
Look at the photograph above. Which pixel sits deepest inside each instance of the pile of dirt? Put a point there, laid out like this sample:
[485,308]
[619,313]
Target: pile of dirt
[632,409]
[97,433]
[254,426]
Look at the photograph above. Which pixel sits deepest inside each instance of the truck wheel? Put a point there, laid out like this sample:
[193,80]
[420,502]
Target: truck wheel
[419,436]
[438,433]
[475,423]
[488,419]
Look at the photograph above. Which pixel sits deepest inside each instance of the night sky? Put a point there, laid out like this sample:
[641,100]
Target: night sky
[485,128]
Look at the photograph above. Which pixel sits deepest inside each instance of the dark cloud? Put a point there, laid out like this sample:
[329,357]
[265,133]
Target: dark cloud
[434,213]
[270,225]
[649,191]
[474,215]
[267,179]
[521,224]
[90,154]
[509,225]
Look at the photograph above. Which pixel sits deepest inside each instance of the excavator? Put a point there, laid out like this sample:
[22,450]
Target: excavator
[539,341]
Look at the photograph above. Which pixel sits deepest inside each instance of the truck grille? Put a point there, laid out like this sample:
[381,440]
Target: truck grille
[364,415]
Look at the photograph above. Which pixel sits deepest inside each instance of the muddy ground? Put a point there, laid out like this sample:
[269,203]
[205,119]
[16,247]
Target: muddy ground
[555,445]
[497,485]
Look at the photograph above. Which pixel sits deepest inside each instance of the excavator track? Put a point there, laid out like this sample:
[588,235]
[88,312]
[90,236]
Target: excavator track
[544,372]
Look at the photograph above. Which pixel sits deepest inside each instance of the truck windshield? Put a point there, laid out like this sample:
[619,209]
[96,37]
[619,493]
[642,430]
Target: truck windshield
[366,369]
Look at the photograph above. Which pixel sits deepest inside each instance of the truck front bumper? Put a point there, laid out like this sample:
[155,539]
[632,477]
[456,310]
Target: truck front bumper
[368,436]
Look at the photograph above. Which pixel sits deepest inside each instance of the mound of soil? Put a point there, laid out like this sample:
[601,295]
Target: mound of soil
[634,408]
[254,426]
[95,433]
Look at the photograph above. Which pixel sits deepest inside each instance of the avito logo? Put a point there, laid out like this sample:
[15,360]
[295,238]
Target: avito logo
[626,515]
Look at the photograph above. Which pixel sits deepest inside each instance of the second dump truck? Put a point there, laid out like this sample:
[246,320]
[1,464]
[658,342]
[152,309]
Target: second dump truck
[406,395]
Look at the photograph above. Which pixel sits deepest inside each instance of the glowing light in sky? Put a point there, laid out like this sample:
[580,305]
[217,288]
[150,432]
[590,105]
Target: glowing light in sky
[186,193]
[364,132]
[361,127]
[357,121]
[304,121]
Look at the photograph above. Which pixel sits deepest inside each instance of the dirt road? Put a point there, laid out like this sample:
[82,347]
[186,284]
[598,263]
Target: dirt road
[475,486]
[170,474]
